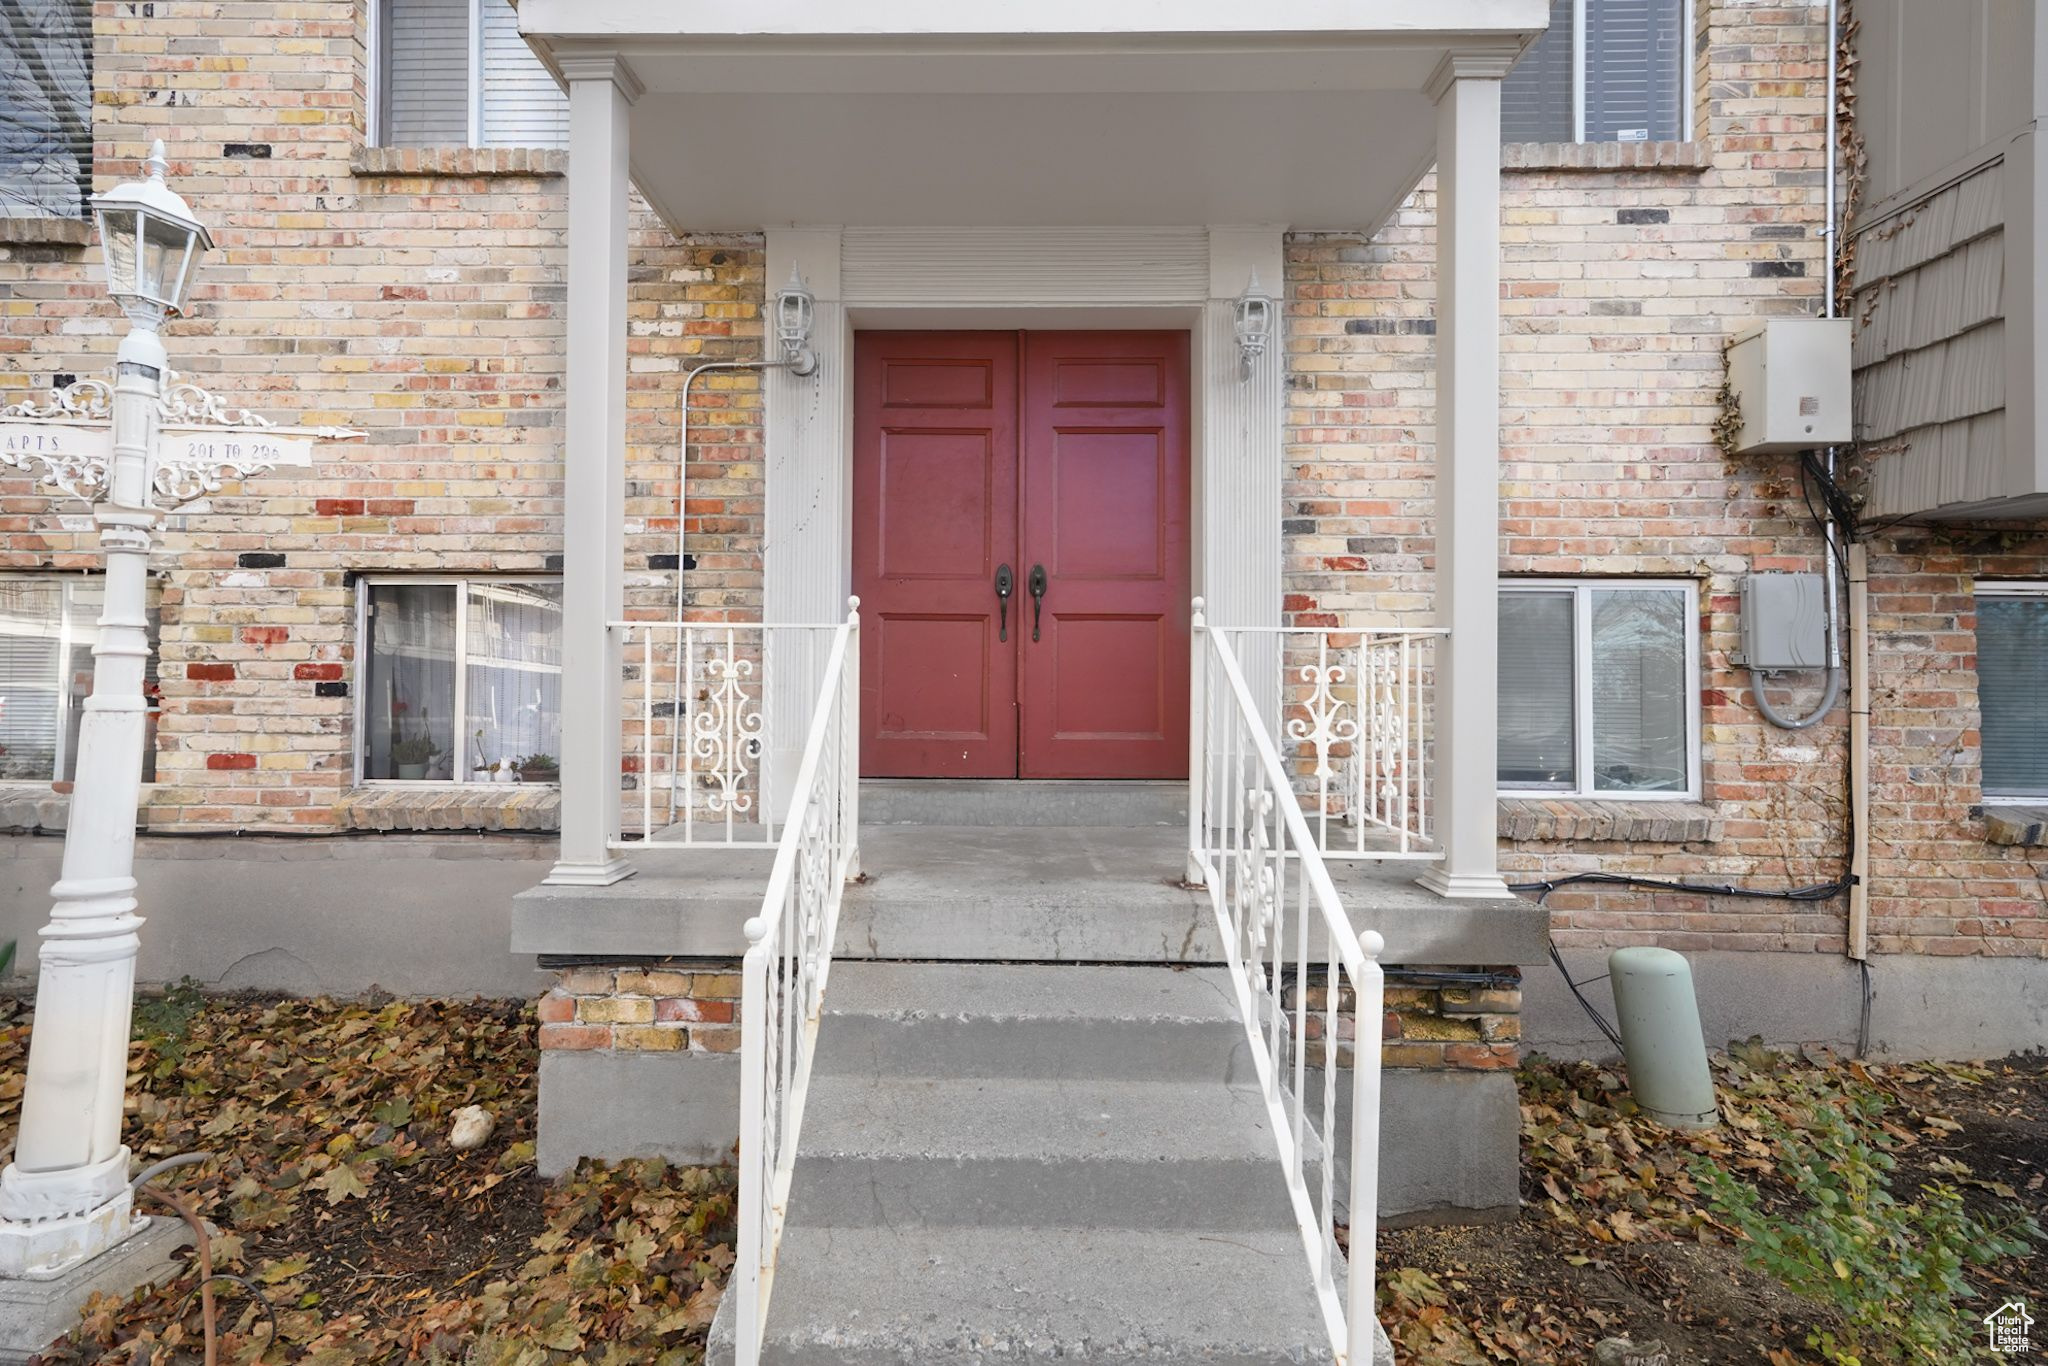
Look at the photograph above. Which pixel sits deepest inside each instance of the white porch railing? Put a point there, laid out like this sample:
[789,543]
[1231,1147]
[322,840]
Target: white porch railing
[1251,846]
[783,978]
[1355,724]
[700,726]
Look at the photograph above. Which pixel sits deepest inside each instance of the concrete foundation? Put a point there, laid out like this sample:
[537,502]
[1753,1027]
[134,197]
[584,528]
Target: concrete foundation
[1921,1007]
[602,1103]
[1449,1145]
[34,1314]
[415,915]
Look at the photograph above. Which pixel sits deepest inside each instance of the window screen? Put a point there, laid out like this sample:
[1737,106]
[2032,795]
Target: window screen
[1634,78]
[45,108]
[1536,98]
[1597,688]
[1537,740]
[2012,678]
[431,87]
[47,628]
[1634,72]
[462,676]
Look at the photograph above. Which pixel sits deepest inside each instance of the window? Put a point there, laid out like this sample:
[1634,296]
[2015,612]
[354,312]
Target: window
[456,73]
[1599,692]
[462,680]
[2012,677]
[45,108]
[47,626]
[1604,71]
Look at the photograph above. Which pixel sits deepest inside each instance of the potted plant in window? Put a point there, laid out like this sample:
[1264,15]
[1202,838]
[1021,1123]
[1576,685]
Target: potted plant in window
[540,768]
[411,754]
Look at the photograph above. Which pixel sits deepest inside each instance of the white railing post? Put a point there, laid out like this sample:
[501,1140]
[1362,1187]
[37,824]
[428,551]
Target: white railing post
[1198,731]
[849,729]
[751,1265]
[1369,992]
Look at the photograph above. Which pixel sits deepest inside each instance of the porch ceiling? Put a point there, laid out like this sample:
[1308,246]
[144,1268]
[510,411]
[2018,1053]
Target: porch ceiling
[1309,113]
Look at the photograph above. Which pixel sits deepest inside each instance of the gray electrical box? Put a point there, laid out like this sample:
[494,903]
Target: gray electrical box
[1784,622]
[1789,379]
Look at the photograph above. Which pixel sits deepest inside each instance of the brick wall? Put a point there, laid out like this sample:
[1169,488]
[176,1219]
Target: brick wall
[419,297]
[666,1009]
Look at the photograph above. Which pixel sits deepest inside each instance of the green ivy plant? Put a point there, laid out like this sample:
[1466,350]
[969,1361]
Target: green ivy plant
[1891,1269]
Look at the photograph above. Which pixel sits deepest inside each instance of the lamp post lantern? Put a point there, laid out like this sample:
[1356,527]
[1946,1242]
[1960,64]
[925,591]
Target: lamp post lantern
[64,1199]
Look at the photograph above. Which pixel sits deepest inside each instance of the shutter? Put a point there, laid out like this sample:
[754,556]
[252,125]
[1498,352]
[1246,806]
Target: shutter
[426,73]
[31,623]
[1537,746]
[1635,53]
[1536,98]
[523,107]
[45,108]
[2012,677]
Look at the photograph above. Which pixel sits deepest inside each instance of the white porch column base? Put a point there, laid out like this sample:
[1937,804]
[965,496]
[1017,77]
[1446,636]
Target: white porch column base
[1467,95]
[601,92]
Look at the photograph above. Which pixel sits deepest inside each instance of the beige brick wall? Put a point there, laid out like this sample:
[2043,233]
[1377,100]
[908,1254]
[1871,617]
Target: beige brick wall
[420,299]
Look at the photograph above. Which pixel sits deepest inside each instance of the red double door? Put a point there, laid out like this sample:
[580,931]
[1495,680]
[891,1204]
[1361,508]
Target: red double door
[1020,548]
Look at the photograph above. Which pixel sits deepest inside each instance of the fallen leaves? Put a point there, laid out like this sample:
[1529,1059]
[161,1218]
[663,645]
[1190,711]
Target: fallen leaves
[372,1238]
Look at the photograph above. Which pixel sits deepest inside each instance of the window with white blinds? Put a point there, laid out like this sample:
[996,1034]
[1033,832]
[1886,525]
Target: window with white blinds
[2012,678]
[45,108]
[456,73]
[47,626]
[1599,692]
[1604,71]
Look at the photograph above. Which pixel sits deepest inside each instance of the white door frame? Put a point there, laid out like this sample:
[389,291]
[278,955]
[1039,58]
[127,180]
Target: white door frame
[1025,278]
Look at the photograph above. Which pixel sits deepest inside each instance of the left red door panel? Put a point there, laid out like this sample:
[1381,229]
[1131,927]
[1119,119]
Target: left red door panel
[935,516]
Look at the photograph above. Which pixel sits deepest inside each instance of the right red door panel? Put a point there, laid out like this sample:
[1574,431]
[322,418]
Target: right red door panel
[1103,671]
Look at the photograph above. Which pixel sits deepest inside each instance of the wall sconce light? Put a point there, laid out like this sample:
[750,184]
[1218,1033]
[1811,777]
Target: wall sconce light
[1253,324]
[795,311]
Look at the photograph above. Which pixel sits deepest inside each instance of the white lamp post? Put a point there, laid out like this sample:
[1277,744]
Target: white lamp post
[64,1198]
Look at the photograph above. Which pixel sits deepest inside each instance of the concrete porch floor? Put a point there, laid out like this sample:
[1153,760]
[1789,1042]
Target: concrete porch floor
[994,893]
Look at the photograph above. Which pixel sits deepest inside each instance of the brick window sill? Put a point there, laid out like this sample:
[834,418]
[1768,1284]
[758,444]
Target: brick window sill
[479,806]
[45,232]
[33,806]
[2015,824]
[1584,820]
[459,161]
[1677,157]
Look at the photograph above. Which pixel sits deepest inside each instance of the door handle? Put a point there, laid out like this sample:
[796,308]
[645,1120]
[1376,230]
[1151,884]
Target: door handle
[1037,583]
[1006,583]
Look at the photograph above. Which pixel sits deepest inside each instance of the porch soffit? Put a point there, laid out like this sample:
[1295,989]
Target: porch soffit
[1054,114]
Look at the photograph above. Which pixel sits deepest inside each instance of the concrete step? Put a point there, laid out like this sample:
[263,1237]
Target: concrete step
[879,1296]
[977,1020]
[1026,1153]
[1016,802]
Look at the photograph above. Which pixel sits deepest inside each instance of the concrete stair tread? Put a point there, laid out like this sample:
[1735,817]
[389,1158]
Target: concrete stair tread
[1017,802]
[918,992]
[868,1296]
[1049,1120]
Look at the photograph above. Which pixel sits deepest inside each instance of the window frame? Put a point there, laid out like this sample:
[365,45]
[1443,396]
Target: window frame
[460,713]
[1688,33]
[473,103]
[1584,787]
[2000,588]
[73,633]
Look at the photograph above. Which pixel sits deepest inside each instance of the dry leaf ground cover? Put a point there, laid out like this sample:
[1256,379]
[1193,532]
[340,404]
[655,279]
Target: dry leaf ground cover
[1617,1238]
[373,1241]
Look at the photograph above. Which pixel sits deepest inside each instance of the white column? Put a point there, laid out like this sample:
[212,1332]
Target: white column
[807,521]
[64,1198]
[1467,95]
[601,93]
[1238,472]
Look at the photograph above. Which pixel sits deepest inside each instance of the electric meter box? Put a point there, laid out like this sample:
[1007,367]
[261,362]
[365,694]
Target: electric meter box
[1784,622]
[1789,378]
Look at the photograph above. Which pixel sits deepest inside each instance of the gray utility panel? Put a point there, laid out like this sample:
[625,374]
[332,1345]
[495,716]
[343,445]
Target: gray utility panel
[1784,622]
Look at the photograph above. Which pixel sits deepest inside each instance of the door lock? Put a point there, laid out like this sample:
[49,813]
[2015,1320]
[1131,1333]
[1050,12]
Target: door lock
[1006,584]
[1037,584]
